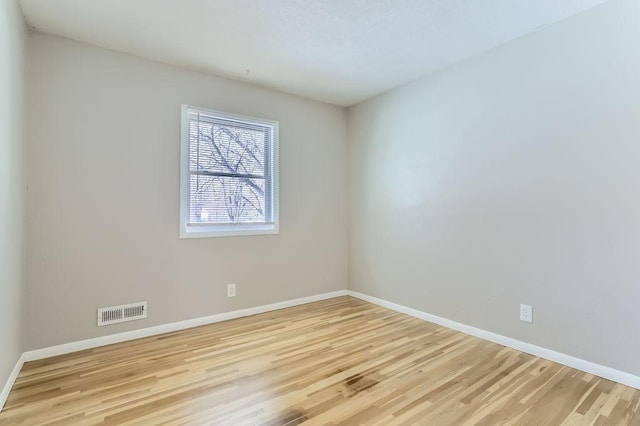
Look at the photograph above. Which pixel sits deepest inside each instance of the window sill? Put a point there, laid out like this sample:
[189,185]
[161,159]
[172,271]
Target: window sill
[212,231]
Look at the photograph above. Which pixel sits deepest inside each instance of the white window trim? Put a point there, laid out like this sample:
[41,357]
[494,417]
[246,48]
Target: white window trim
[224,230]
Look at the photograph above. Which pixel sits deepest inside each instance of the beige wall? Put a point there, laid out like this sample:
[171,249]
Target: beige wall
[12,184]
[513,177]
[104,145]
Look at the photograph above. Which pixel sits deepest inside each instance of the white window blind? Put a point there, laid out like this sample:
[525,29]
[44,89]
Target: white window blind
[229,174]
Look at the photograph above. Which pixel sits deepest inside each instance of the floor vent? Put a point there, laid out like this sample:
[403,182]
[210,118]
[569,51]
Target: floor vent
[122,313]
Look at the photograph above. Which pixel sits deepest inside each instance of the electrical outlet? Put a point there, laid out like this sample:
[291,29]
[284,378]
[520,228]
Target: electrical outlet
[231,290]
[526,313]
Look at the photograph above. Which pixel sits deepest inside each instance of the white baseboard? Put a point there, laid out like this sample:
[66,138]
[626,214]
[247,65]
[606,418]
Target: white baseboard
[570,361]
[10,381]
[168,328]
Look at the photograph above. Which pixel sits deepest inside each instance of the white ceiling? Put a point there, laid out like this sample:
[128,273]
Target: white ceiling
[336,51]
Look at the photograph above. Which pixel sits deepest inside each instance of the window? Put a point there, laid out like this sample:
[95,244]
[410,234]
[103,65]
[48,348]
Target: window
[229,175]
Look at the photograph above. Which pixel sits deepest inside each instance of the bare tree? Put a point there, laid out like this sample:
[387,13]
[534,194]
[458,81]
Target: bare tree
[230,171]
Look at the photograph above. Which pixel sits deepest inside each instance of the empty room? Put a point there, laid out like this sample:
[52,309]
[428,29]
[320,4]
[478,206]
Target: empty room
[320,212]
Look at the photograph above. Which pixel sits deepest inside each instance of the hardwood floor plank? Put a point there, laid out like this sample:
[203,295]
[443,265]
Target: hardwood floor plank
[338,361]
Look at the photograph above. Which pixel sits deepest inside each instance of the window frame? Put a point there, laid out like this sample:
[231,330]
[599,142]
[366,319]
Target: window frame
[226,229]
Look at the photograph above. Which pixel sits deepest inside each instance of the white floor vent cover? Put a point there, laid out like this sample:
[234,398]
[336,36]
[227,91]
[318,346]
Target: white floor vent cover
[122,313]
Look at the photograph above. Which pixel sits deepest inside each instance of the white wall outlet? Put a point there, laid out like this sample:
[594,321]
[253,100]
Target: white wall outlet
[526,313]
[231,290]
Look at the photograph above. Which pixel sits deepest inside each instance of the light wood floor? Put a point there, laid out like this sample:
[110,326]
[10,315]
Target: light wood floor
[337,361]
